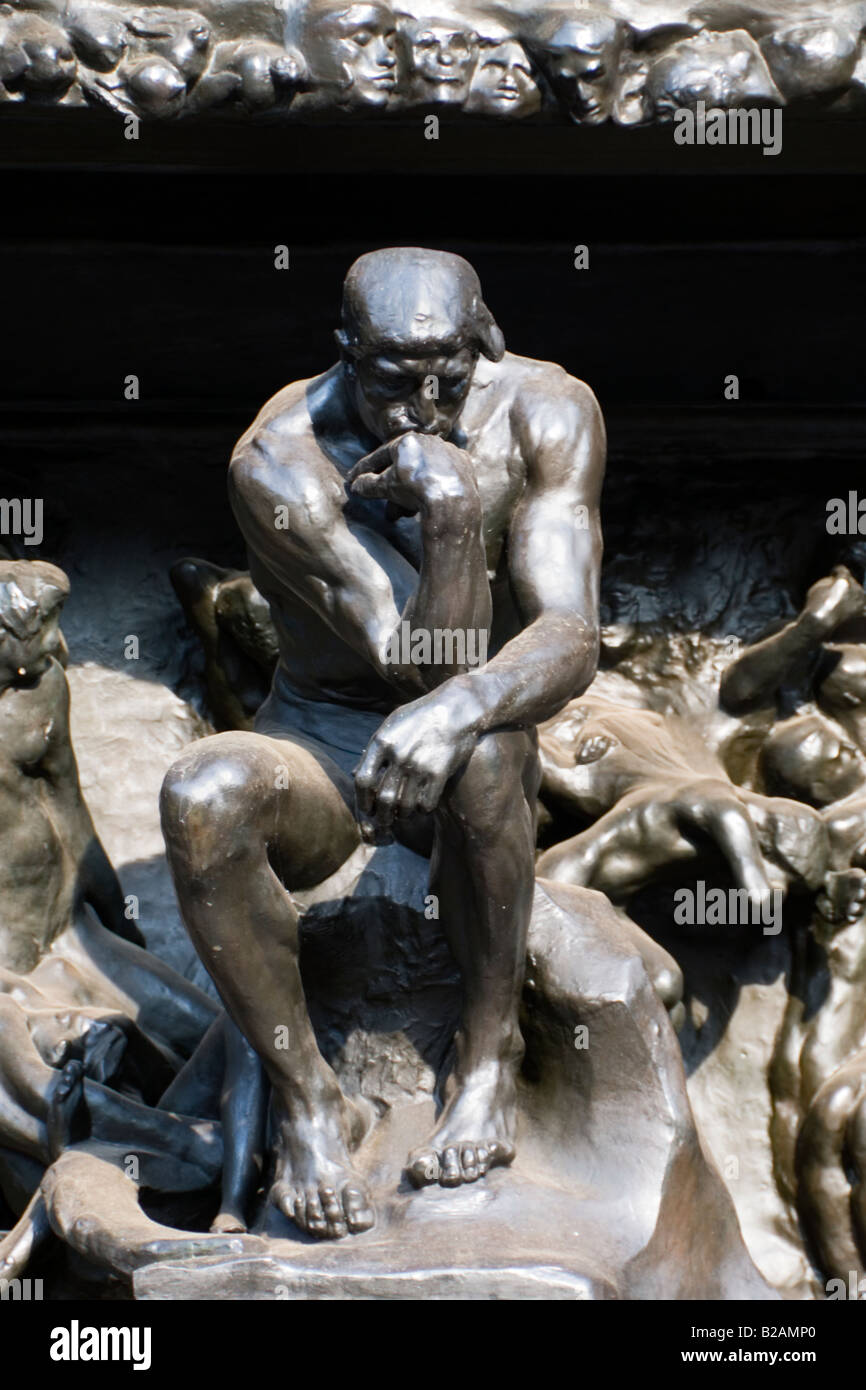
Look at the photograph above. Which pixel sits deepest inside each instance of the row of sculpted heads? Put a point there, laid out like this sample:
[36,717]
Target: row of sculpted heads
[157,60]
[577,57]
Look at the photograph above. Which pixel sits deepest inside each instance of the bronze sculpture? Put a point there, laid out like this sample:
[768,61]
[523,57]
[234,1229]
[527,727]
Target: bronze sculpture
[445,743]
[316,909]
[315,59]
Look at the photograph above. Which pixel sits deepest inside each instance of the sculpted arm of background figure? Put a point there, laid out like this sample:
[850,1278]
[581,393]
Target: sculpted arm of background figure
[98,883]
[764,667]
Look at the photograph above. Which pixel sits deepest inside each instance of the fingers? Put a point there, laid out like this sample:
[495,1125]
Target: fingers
[376,462]
[374,484]
[385,798]
[407,795]
[385,792]
[430,789]
[367,776]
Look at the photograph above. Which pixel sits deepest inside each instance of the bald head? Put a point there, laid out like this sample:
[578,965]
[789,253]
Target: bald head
[414,301]
[414,323]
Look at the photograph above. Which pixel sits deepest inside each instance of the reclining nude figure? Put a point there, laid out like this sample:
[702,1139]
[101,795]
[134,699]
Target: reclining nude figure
[661,796]
[428,483]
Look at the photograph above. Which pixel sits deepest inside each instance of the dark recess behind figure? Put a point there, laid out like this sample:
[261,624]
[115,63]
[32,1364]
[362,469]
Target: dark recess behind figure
[170,275]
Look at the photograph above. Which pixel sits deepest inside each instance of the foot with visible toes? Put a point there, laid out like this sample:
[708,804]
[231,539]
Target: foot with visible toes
[315,1184]
[476,1132]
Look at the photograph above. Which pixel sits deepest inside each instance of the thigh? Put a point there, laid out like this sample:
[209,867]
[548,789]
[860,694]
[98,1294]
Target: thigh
[241,795]
[314,828]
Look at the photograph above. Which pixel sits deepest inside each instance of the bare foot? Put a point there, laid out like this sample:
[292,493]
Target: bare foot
[315,1185]
[843,898]
[476,1131]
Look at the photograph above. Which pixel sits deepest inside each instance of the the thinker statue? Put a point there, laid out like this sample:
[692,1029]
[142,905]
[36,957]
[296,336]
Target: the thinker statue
[428,483]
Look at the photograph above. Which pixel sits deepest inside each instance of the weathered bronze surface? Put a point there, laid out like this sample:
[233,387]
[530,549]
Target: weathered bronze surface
[630,61]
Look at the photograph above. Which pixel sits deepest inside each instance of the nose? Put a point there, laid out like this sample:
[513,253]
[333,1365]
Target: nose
[424,410]
[385,57]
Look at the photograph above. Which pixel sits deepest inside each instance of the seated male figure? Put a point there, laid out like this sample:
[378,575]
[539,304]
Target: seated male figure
[429,479]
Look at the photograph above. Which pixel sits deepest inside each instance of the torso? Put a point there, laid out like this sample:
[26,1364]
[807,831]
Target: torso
[37,877]
[318,664]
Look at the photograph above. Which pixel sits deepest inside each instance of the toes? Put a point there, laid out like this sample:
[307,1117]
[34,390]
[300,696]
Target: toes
[359,1214]
[333,1213]
[501,1152]
[469,1163]
[424,1167]
[326,1213]
[450,1176]
[284,1198]
[458,1163]
[315,1219]
[299,1211]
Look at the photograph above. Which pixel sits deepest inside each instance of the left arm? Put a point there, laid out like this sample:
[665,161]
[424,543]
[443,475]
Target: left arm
[555,549]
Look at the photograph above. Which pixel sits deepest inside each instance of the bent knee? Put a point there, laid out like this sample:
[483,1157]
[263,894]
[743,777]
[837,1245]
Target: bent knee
[217,785]
[492,785]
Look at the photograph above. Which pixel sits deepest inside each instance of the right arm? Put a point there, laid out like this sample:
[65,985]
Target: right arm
[293,520]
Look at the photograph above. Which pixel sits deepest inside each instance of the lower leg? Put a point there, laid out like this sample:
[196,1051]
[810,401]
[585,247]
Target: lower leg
[225,823]
[483,876]
[243,1112]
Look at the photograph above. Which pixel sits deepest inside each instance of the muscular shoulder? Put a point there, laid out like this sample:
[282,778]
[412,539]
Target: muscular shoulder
[545,393]
[556,419]
[279,461]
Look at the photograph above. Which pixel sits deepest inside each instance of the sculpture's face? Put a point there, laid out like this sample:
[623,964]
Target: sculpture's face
[812,57]
[824,766]
[580,60]
[396,392]
[502,84]
[52,66]
[180,37]
[721,70]
[356,48]
[46,65]
[30,635]
[442,62]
